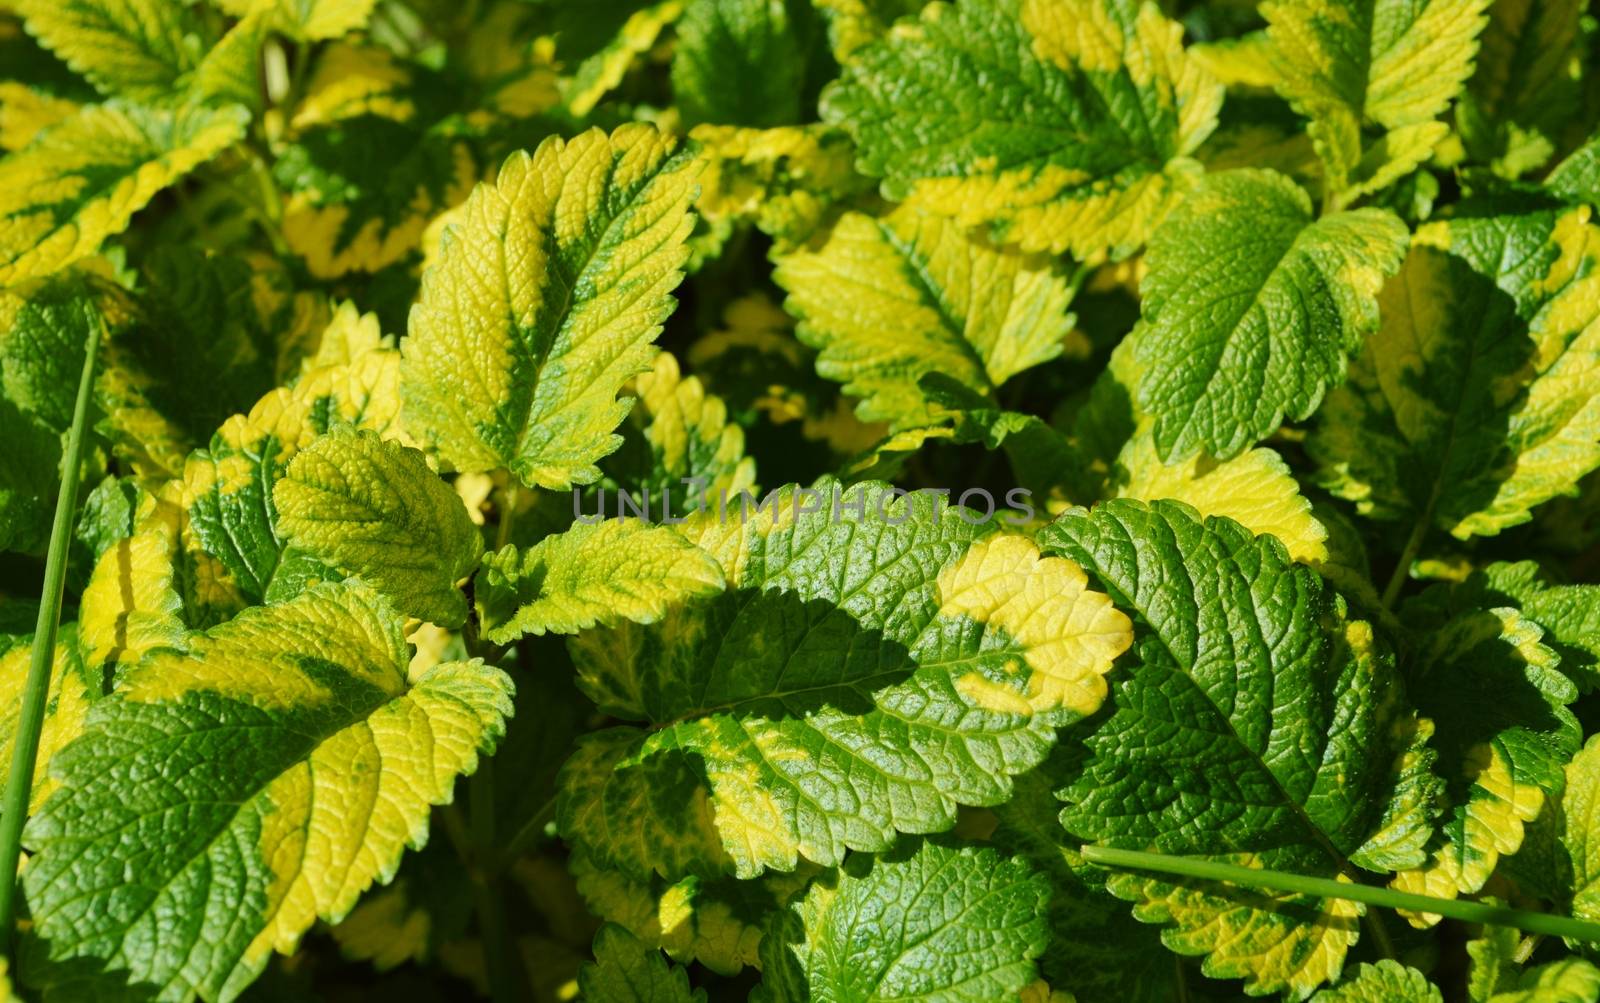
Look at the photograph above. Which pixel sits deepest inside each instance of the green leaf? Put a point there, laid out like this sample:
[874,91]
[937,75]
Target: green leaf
[718,922]
[81,181]
[74,687]
[194,347]
[1577,178]
[678,448]
[854,23]
[952,924]
[1387,981]
[1520,94]
[309,20]
[134,599]
[1571,980]
[295,763]
[1579,822]
[1373,77]
[1475,400]
[742,62]
[130,48]
[44,325]
[1251,306]
[1240,654]
[373,509]
[28,480]
[518,365]
[605,43]
[1057,125]
[888,300]
[1097,951]
[1255,488]
[627,971]
[228,486]
[1569,614]
[600,573]
[788,181]
[863,675]
[1503,756]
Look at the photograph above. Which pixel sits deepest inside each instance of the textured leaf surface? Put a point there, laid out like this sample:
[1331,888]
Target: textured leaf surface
[362,189]
[132,602]
[951,925]
[1385,982]
[1580,829]
[718,922]
[228,487]
[1240,654]
[269,774]
[83,180]
[627,971]
[678,444]
[786,180]
[741,62]
[1058,125]
[1503,756]
[1250,308]
[546,300]
[1097,950]
[131,48]
[1476,400]
[1255,489]
[197,345]
[73,689]
[1373,76]
[861,676]
[600,573]
[887,300]
[374,510]
[1520,91]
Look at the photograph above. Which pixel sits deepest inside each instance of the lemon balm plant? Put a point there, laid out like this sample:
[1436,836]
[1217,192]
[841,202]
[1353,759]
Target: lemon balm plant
[505,498]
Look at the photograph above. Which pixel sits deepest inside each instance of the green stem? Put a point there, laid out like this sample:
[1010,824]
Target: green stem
[530,831]
[501,965]
[1462,909]
[1380,935]
[25,754]
[1402,570]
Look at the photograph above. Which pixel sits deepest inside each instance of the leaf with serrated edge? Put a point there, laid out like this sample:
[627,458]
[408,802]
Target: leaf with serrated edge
[862,676]
[298,763]
[1241,654]
[1251,305]
[628,971]
[373,509]
[1502,757]
[887,300]
[1475,401]
[952,924]
[1388,981]
[600,573]
[130,48]
[1058,124]
[1386,65]
[83,180]
[547,297]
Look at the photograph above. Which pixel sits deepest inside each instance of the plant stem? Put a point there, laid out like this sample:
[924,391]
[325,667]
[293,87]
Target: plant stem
[530,831]
[1380,934]
[1462,909]
[30,719]
[504,980]
[1402,570]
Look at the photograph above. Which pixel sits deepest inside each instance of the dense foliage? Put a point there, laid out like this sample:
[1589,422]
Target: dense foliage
[1018,425]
